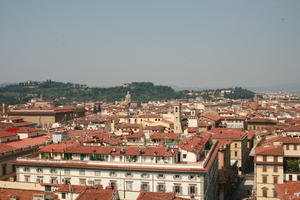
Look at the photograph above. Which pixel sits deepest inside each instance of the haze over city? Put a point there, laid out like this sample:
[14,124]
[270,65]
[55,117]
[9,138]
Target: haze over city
[188,44]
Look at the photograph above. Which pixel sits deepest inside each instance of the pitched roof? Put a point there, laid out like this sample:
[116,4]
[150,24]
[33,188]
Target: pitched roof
[194,143]
[288,190]
[97,194]
[161,136]
[212,117]
[144,195]
[275,150]
[23,194]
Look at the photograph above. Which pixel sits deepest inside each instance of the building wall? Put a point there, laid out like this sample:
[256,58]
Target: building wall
[267,169]
[123,180]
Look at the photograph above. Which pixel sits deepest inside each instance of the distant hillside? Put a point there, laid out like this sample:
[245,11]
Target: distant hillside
[70,92]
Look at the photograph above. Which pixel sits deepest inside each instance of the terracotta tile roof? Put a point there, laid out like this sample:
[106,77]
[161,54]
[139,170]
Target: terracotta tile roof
[203,124]
[292,129]
[228,134]
[5,133]
[23,194]
[23,130]
[212,117]
[71,188]
[261,120]
[21,124]
[269,150]
[27,142]
[288,190]
[192,129]
[161,136]
[97,194]
[195,143]
[144,195]
[109,150]
[5,148]
[134,135]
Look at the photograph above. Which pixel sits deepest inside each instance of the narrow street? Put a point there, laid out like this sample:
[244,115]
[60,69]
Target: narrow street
[245,187]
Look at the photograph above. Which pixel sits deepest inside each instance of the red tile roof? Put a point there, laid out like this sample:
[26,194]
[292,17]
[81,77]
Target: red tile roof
[288,190]
[97,194]
[23,194]
[269,150]
[27,142]
[228,134]
[5,148]
[109,150]
[161,136]
[261,120]
[195,143]
[212,117]
[5,133]
[144,195]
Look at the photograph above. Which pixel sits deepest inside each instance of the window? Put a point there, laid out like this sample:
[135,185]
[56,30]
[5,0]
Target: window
[192,177]
[112,174]
[47,188]
[26,169]
[275,179]
[265,192]
[40,170]
[290,177]
[53,171]
[264,168]
[184,155]
[192,189]
[53,180]
[275,169]
[275,159]
[39,179]
[235,153]
[265,179]
[129,185]
[235,145]
[295,147]
[128,174]
[298,178]
[145,186]
[97,173]
[274,193]
[67,171]
[287,147]
[97,182]
[177,176]
[161,187]
[82,181]
[177,189]
[67,181]
[27,178]
[82,172]
[145,175]
[160,176]
[91,182]
[63,195]
[265,158]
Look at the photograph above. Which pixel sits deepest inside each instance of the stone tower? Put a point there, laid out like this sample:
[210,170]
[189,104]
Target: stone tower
[177,118]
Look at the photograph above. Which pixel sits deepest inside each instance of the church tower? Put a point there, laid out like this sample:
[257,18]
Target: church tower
[177,118]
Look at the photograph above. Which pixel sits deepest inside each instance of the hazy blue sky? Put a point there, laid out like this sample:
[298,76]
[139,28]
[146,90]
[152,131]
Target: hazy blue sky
[185,43]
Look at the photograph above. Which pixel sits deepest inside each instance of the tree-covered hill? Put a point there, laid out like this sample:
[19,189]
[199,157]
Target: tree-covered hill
[69,92]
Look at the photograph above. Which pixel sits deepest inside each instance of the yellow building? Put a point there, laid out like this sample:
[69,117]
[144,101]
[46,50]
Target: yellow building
[276,161]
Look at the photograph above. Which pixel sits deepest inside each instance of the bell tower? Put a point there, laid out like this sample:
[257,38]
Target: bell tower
[177,118]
